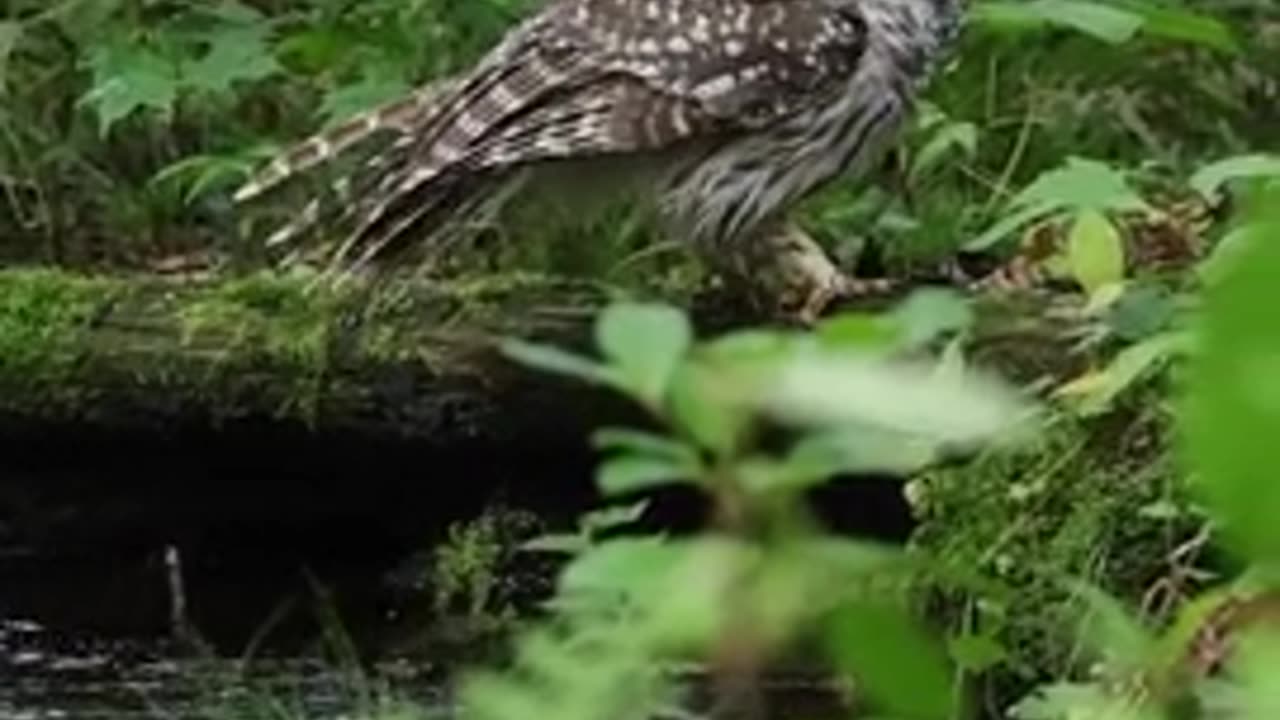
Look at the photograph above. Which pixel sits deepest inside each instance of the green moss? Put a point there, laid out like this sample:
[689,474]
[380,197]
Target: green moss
[44,315]
[1099,501]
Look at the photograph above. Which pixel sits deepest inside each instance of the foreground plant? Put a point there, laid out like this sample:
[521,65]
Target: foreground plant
[762,576]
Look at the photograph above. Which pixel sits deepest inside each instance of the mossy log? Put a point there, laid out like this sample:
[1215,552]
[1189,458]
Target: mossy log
[412,361]
[419,362]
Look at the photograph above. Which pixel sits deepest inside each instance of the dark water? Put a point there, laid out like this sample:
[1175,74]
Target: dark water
[271,552]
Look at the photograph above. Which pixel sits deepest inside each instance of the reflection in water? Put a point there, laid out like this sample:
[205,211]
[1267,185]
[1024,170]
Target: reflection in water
[47,677]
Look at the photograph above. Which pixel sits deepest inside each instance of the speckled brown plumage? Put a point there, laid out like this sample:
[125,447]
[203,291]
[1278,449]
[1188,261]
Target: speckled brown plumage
[746,105]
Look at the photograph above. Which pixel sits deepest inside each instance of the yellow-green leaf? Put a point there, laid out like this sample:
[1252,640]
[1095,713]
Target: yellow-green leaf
[1095,251]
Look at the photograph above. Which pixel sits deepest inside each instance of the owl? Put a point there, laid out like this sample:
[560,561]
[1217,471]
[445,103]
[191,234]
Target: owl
[730,112]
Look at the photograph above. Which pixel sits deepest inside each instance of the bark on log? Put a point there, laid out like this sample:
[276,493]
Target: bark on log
[413,362]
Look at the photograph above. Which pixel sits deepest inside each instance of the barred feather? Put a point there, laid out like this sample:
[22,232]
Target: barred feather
[752,103]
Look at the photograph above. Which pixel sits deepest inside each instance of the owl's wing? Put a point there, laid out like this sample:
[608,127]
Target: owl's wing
[593,77]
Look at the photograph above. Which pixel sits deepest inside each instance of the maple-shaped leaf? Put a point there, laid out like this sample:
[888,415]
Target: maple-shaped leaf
[128,77]
[236,52]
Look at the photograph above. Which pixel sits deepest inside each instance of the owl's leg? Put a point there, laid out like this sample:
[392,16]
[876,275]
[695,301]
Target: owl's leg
[784,272]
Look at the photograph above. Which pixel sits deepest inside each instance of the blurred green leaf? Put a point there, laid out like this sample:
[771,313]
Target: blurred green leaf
[824,389]
[1105,22]
[553,359]
[646,343]
[928,313]
[1232,413]
[705,406]
[1186,25]
[1209,179]
[1095,251]
[894,663]
[975,652]
[644,443]
[632,473]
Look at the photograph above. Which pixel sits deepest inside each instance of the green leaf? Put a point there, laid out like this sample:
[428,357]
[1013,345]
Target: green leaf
[1105,22]
[860,450]
[610,517]
[632,473]
[1232,412]
[1177,24]
[553,359]
[646,343]
[824,389]
[236,53]
[928,313]
[702,405]
[623,565]
[960,135]
[1095,252]
[643,443]
[346,101]
[1008,224]
[1082,184]
[126,78]
[896,665]
[976,653]
[1140,312]
[1095,392]
[1209,179]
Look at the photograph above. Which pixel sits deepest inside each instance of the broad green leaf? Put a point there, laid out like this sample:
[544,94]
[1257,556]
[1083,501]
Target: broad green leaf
[344,102]
[707,407]
[1209,179]
[126,78]
[644,443]
[817,389]
[1232,412]
[859,450]
[623,565]
[645,343]
[858,331]
[1105,22]
[236,53]
[893,661]
[1140,312]
[553,359]
[1095,251]
[632,473]
[1185,25]
[928,313]
[1082,184]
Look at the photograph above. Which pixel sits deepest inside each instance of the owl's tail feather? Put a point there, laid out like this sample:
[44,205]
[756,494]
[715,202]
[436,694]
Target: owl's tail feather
[397,117]
[445,209]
